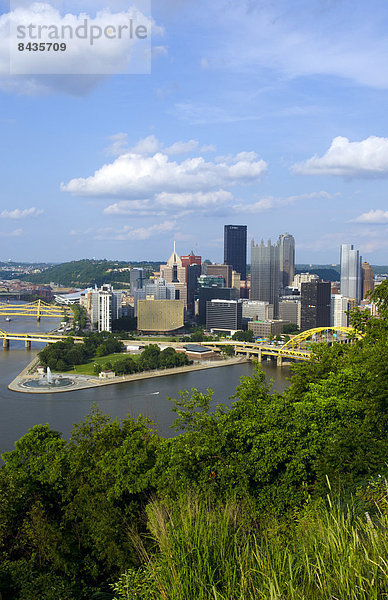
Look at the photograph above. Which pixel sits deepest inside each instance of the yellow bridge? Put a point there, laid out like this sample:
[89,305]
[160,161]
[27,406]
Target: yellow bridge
[297,348]
[27,338]
[37,309]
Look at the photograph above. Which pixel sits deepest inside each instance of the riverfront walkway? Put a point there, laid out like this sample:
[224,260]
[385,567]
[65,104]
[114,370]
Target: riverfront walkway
[83,382]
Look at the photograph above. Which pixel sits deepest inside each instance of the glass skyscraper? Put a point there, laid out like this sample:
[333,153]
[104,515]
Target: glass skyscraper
[235,248]
[265,273]
[287,259]
[350,272]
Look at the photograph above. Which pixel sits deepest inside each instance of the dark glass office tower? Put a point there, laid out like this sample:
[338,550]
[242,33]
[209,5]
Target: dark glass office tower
[316,301]
[235,248]
[287,259]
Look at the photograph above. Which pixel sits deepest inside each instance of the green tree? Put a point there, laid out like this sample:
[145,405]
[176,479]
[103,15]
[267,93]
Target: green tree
[244,336]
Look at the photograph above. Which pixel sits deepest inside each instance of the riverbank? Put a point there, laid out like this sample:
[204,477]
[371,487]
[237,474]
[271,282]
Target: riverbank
[82,382]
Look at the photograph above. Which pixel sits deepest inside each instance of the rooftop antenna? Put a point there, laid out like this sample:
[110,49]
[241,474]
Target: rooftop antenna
[174,246]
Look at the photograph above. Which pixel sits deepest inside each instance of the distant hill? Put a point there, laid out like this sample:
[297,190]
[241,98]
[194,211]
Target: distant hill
[81,273]
[325,272]
[380,269]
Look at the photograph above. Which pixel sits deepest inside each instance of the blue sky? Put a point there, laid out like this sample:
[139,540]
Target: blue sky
[270,114]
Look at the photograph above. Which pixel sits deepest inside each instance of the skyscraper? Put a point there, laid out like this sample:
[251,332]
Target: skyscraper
[286,259]
[235,248]
[174,272]
[350,272]
[316,302]
[367,279]
[265,273]
[192,263]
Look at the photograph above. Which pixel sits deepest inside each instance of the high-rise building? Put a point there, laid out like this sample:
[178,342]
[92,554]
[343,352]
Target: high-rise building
[290,310]
[104,305]
[315,304]
[224,270]
[300,278]
[213,293]
[224,315]
[174,272]
[193,272]
[192,263]
[136,279]
[265,273]
[255,310]
[235,248]
[286,259]
[340,305]
[367,279]
[191,259]
[350,272]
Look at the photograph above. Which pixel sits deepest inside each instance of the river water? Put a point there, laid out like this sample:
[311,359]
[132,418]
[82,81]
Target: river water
[20,411]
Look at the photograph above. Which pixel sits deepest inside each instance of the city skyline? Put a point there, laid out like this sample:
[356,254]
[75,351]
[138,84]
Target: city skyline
[284,136]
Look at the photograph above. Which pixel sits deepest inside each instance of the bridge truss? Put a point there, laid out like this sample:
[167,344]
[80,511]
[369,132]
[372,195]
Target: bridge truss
[37,310]
[297,348]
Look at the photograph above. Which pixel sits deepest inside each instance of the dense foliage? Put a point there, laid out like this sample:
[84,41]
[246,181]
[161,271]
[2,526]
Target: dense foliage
[63,355]
[124,324]
[151,358]
[88,272]
[244,336]
[235,504]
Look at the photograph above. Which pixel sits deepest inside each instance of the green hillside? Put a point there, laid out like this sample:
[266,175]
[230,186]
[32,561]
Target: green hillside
[88,272]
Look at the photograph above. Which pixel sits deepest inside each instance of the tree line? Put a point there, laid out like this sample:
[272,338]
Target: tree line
[63,355]
[151,358]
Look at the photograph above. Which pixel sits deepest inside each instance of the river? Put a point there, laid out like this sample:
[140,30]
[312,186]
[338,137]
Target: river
[20,411]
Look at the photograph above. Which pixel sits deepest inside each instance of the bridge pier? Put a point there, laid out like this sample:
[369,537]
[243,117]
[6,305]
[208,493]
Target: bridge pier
[5,343]
[28,344]
[279,361]
[259,356]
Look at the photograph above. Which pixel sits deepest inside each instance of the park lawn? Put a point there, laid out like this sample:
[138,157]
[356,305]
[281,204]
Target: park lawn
[88,368]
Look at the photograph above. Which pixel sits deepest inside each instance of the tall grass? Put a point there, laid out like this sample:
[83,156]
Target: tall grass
[207,553]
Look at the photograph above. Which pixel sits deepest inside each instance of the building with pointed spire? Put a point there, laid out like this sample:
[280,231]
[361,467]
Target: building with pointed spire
[174,272]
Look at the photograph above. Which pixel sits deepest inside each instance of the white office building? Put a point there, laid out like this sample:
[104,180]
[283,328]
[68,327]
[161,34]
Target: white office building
[257,310]
[340,305]
[104,305]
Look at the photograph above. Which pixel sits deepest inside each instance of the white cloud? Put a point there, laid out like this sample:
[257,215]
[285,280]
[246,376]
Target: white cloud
[127,232]
[208,148]
[118,145]
[164,202]
[196,200]
[135,176]
[147,145]
[349,159]
[150,145]
[271,202]
[181,147]
[83,65]
[373,216]
[17,213]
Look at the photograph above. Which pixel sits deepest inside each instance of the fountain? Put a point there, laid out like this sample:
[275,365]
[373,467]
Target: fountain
[47,380]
